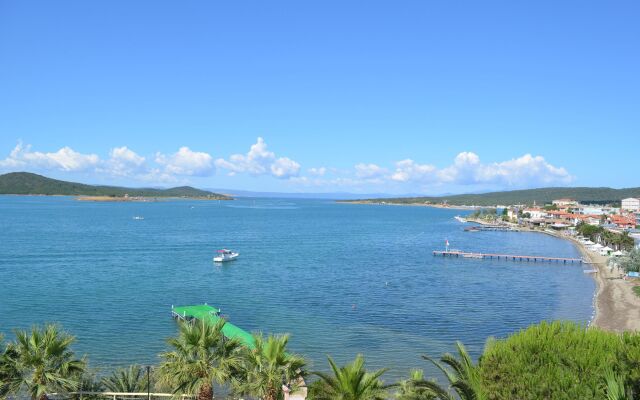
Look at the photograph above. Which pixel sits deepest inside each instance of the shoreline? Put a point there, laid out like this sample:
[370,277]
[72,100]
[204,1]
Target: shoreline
[110,199]
[120,199]
[382,203]
[616,306]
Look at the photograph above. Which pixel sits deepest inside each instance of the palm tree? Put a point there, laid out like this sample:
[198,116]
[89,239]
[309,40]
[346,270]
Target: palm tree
[351,382]
[268,366]
[411,389]
[4,369]
[127,380]
[461,373]
[40,362]
[88,382]
[201,356]
[615,386]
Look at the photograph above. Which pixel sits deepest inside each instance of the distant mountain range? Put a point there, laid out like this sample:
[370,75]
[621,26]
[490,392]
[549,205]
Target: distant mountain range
[290,195]
[28,183]
[601,195]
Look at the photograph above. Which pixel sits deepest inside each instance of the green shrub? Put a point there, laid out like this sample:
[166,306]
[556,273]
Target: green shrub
[631,262]
[558,360]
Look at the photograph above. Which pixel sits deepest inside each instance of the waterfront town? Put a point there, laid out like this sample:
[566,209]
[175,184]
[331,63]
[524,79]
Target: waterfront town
[605,234]
[568,215]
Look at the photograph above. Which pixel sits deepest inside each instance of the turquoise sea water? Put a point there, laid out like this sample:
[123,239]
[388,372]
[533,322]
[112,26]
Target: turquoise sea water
[342,279]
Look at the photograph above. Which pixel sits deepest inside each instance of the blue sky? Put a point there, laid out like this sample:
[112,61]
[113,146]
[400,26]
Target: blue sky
[370,97]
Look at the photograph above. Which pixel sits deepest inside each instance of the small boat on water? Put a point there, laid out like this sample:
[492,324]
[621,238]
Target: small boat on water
[460,219]
[138,217]
[225,255]
[472,229]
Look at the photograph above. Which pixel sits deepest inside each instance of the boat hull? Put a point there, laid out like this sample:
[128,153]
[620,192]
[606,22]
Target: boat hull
[227,258]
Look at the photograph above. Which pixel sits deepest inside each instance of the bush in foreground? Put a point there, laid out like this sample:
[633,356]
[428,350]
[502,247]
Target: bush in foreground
[559,360]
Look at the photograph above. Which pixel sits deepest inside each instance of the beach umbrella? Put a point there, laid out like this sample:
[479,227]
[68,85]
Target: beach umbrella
[597,246]
[617,253]
[607,248]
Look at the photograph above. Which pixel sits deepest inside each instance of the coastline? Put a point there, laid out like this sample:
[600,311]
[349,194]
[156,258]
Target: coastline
[116,199]
[616,306]
[139,199]
[382,203]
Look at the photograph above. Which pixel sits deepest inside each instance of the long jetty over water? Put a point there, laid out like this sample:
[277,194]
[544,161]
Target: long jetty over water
[509,257]
[492,228]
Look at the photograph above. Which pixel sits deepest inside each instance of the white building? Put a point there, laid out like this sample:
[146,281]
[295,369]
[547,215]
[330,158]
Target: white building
[536,213]
[593,210]
[512,213]
[565,203]
[631,204]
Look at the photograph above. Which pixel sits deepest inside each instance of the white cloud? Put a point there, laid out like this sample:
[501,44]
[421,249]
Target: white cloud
[186,162]
[524,171]
[260,161]
[317,171]
[285,167]
[65,159]
[408,170]
[124,162]
[369,171]
[126,156]
[467,169]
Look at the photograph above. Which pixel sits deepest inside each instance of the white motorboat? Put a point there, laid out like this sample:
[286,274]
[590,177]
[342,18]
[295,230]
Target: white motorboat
[138,217]
[460,219]
[225,255]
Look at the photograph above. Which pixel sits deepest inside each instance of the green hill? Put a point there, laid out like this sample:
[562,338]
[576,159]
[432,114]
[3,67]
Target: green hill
[602,195]
[28,183]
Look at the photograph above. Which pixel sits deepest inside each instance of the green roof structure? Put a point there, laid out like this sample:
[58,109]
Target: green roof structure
[211,315]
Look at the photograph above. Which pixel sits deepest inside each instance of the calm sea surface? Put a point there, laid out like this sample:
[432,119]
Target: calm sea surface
[342,279]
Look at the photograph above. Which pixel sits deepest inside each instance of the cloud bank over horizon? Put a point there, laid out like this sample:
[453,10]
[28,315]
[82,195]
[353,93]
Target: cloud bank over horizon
[187,165]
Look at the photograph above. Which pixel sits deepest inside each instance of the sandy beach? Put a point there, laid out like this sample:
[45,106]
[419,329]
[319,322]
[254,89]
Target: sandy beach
[617,307]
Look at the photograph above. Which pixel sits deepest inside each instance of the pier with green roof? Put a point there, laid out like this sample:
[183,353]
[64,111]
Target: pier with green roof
[211,315]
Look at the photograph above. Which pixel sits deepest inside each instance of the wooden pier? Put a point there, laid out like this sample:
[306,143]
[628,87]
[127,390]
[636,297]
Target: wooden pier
[508,257]
[490,228]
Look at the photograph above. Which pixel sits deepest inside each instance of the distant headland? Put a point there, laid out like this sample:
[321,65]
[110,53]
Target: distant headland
[26,183]
[587,195]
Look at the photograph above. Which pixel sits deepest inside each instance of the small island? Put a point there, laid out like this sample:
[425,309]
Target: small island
[25,183]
